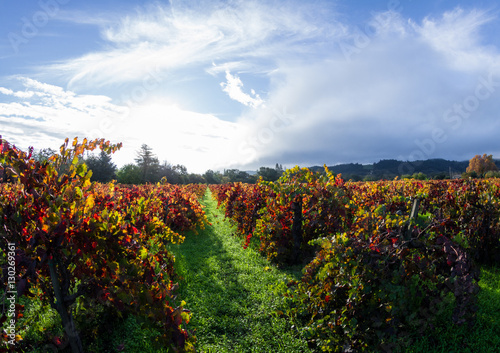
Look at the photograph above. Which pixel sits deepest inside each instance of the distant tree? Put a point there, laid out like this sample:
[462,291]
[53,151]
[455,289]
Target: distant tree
[369,177]
[193,178]
[166,170]
[182,173]
[44,154]
[236,175]
[441,176]
[355,177]
[481,164]
[492,174]
[270,174]
[232,175]
[148,164]
[129,174]
[103,169]
[182,170]
[468,175]
[212,177]
[419,176]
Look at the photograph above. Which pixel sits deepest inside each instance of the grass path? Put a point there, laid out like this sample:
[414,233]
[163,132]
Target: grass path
[228,289]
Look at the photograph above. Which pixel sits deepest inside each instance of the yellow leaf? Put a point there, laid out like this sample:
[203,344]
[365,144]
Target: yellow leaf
[143,253]
[89,203]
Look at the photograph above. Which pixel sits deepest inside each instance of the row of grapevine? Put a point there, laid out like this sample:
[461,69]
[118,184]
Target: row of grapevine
[87,244]
[242,203]
[468,208]
[377,274]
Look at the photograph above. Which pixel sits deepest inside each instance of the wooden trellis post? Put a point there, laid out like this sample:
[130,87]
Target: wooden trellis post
[413,215]
[297,228]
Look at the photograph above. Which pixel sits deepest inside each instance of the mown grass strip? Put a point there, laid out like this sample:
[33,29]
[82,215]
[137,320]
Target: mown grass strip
[228,289]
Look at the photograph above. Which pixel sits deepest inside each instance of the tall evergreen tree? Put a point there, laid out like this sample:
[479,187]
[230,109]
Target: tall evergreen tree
[103,169]
[148,163]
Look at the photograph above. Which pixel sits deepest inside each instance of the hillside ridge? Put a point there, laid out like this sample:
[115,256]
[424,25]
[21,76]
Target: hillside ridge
[390,168]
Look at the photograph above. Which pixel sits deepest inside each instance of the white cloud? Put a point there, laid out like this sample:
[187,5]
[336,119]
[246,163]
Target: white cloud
[44,88]
[198,141]
[166,38]
[50,114]
[18,94]
[216,69]
[457,36]
[234,88]
[46,114]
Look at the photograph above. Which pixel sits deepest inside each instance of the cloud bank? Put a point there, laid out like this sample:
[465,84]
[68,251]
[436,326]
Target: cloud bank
[313,88]
[401,90]
[44,115]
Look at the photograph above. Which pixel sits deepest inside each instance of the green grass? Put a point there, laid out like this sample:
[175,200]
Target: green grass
[484,337]
[229,290]
[111,333]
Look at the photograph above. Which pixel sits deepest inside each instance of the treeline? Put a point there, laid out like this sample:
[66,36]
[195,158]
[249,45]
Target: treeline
[388,169]
[148,169]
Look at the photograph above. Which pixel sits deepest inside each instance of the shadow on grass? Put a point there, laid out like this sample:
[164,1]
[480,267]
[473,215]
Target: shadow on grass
[207,272]
[483,337]
[227,289]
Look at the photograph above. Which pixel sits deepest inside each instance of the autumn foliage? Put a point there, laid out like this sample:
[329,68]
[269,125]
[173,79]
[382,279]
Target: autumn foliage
[481,164]
[378,274]
[94,244]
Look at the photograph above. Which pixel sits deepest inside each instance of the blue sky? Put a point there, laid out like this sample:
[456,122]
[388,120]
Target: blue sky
[242,84]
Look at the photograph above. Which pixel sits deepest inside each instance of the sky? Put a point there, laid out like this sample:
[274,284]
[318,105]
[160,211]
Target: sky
[243,84]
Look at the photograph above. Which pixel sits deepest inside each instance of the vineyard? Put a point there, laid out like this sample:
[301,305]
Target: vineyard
[384,263]
[383,260]
[81,245]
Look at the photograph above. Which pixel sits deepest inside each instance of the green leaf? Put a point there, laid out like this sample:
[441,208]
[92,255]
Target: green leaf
[81,170]
[78,193]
